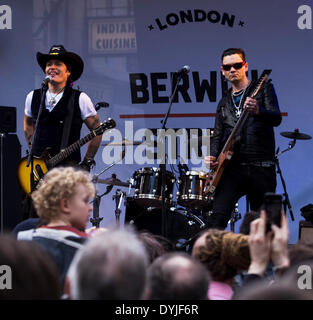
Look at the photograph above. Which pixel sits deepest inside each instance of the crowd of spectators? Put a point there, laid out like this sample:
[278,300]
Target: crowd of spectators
[58,258]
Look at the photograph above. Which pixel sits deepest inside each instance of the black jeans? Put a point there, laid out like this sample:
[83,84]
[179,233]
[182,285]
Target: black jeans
[237,181]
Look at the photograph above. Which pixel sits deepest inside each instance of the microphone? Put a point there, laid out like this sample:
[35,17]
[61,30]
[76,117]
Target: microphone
[183,70]
[46,81]
[101,105]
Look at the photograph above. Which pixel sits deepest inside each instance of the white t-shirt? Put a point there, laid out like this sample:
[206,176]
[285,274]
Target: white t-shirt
[86,106]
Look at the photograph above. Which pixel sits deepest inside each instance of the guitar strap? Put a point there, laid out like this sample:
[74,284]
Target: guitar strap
[68,121]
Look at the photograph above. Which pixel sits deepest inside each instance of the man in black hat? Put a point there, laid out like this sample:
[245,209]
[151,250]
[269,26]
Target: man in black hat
[63,107]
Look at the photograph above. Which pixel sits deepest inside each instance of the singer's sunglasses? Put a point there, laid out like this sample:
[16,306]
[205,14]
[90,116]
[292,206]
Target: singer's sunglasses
[237,66]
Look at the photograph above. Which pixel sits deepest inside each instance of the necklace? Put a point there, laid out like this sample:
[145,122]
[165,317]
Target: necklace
[237,93]
[238,109]
[52,100]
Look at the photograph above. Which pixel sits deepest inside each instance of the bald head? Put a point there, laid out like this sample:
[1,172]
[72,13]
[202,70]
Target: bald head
[178,276]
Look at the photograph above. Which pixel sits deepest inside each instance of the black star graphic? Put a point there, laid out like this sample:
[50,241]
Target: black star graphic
[150,27]
[241,23]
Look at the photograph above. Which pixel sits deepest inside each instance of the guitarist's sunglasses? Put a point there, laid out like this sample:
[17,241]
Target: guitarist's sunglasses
[237,66]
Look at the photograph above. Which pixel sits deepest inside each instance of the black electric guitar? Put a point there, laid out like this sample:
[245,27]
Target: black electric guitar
[214,176]
[42,164]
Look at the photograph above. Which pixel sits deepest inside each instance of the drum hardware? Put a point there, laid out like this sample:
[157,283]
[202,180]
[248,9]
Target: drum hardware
[114,182]
[189,215]
[295,135]
[95,220]
[118,197]
[235,216]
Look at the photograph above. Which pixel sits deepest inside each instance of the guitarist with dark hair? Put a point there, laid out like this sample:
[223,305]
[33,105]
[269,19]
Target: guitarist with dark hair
[251,170]
[61,116]
[62,67]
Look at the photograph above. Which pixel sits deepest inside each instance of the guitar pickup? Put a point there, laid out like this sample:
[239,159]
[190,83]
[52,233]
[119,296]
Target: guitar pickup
[39,171]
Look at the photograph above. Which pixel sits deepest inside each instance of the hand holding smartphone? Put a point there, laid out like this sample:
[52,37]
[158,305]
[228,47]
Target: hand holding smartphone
[273,209]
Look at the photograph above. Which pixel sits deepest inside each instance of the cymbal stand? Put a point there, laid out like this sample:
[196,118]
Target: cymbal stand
[118,197]
[95,220]
[286,201]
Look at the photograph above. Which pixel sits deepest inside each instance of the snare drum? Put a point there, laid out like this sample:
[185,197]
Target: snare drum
[148,184]
[191,190]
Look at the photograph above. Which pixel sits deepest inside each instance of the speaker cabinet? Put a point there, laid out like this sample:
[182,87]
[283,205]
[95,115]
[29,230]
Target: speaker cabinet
[305,231]
[8,119]
[10,192]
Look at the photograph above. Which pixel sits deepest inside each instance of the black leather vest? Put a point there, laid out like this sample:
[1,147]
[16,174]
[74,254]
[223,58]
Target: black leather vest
[51,124]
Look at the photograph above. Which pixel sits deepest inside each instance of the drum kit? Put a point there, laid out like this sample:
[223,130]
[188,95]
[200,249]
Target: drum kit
[186,215]
[186,204]
[187,208]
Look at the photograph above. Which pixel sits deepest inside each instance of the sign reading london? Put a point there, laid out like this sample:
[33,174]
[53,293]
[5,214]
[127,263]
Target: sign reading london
[111,36]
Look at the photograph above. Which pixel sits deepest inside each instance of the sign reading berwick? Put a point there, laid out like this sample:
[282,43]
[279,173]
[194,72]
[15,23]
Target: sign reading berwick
[5,17]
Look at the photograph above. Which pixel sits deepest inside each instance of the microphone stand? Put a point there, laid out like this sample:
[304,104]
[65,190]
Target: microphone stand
[30,159]
[163,165]
[286,201]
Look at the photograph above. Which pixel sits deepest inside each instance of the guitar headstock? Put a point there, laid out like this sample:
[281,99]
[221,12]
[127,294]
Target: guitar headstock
[261,81]
[108,124]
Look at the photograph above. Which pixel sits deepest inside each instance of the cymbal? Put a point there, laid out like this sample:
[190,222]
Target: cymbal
[124,142]
[295,135]
[114,182]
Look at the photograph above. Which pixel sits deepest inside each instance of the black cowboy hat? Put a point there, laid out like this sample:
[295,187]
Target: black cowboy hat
[58,52]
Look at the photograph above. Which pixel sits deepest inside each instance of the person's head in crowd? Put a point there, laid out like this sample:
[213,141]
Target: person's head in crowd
[247,219]
[224,253]
[299,277]
[177,276]
[154,245]
[29,273]
[300,252]
[261,290]
[63,197]
[111,266]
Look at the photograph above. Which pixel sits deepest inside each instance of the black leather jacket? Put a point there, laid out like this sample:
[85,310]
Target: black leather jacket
[256,141]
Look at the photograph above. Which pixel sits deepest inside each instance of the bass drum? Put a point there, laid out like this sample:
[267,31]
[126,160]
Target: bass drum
[181,226]
[147,183]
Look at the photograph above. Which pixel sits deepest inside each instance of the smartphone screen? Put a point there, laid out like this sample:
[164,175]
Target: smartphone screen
[273,208]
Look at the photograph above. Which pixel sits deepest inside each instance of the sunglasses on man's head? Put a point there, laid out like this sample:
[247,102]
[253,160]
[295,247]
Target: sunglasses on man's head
[237,66]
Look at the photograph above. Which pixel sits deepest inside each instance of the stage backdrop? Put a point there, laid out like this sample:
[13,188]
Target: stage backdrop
[132,48]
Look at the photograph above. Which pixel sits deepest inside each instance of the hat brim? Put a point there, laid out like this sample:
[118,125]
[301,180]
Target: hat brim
[71,58]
